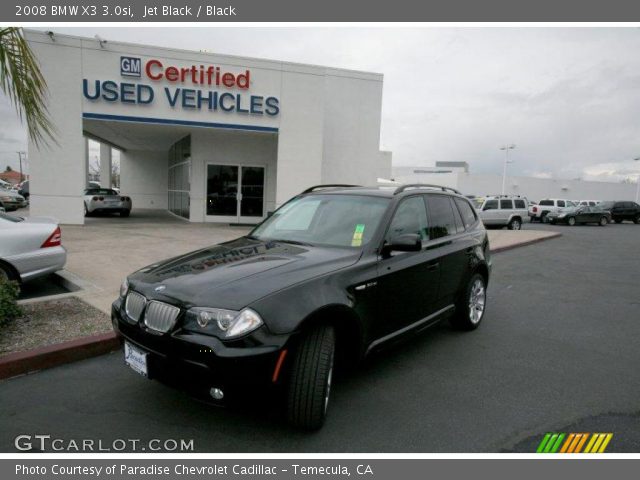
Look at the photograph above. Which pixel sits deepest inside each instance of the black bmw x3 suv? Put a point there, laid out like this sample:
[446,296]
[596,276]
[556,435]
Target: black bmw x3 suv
[333,275]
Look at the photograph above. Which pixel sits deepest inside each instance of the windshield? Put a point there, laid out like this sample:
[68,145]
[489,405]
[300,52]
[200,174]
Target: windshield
[327,220]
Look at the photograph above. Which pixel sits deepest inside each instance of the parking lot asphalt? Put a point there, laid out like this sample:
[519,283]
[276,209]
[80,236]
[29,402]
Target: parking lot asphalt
[558,351]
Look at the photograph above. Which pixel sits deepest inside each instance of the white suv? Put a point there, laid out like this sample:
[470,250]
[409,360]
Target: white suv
[544,207]
[504,211]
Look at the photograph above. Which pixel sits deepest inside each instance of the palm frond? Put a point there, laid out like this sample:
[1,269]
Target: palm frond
[22,81]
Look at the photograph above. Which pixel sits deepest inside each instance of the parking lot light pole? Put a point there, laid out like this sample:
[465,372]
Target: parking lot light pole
[637,182]
[506,149]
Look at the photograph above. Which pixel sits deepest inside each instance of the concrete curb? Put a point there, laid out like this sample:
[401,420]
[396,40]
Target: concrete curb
[528,242]
[21,363]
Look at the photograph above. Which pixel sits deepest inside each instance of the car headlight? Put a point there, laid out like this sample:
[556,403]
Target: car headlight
[222,323]
[124,288]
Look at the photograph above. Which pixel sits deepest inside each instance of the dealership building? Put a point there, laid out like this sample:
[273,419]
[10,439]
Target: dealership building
[207,137]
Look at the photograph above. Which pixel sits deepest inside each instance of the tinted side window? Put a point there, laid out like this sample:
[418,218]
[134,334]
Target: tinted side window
[491,205]
[520,204]
[456,217]
[441,214]
[561,203]
[546,202]
[468,215]
[410,217]
[506,204]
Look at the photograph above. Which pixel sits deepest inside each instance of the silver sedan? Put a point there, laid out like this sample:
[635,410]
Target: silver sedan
[106,200]
[11,200]
[30,247]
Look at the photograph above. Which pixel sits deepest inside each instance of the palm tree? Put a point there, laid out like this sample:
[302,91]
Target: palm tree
[22,81]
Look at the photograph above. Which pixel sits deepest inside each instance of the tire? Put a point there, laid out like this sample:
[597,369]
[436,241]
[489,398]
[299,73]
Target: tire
[636,220]
[617,220]
[571,221]
[6,273]
[310,380]
[543,218]
[515,224]
[464,318]
[125,213]
[86,211]
[603,221]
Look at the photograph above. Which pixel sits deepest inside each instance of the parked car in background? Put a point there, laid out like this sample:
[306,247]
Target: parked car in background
[504,211]
[540,211]
[30,247]
[23,189]
[580,215]
[333,275]
[621,211]
[590,203]
[11,200]
[106,200]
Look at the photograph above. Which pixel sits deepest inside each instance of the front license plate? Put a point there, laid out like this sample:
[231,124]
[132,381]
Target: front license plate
[135,358]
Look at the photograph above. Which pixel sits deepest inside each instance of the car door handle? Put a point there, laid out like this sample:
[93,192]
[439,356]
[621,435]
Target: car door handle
[432,266]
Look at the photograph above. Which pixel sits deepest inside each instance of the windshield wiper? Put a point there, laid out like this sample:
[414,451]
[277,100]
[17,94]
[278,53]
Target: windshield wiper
[292,242]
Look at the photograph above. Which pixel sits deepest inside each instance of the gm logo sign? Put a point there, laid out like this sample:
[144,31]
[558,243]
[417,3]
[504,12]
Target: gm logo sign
[130,66]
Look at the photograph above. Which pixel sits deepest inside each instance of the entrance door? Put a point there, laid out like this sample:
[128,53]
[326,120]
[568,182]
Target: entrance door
[235,194]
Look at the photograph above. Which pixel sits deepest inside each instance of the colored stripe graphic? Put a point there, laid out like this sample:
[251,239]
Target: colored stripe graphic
[574,443]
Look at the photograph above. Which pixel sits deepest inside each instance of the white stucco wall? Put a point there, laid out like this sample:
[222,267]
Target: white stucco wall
[58,171]
[144,177]
[532,188]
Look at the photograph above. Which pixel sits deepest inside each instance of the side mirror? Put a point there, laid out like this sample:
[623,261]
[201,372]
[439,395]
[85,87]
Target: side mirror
[408,242]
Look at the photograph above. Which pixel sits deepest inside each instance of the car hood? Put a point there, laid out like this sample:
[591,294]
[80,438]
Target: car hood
[234,274]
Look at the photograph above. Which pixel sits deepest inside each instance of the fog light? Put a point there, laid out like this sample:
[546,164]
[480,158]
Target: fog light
[216,394]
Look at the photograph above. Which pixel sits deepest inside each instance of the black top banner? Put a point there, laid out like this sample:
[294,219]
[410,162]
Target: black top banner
[31,11]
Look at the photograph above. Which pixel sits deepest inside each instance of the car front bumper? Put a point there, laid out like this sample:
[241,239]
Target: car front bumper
[197,362]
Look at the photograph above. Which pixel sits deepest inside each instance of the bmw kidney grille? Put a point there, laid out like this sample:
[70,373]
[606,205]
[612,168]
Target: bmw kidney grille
[160,316]
[134,305]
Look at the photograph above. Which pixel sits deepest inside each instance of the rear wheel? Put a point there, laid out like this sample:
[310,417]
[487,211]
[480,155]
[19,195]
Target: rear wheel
[311,376]
[571,221]
[125,213]
[515,224]
[637,219]
[471,306]
[543,217]
[603,221]
[6,273]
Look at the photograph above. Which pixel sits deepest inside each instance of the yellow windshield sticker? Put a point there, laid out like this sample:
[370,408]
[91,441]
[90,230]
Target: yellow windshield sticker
[356,241]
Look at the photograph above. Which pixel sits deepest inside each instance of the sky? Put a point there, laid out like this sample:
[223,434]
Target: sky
[568,98]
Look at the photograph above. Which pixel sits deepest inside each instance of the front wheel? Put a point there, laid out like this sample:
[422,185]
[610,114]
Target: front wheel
[515,224]
[603,221]
[311,376]
[637,219]
[471,306]
[571,221]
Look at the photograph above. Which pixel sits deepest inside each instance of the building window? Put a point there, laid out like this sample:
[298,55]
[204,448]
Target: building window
[180,177]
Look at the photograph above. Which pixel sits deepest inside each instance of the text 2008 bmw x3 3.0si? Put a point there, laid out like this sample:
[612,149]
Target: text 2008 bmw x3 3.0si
[336,273]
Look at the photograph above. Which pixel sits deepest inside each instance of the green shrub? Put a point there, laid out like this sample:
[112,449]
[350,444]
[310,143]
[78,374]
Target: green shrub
[9,308]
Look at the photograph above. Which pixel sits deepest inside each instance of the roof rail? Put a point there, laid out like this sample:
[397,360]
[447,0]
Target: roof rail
[328,185]
[424,185]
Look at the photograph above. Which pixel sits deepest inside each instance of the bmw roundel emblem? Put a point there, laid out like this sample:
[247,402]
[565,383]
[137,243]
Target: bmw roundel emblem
[160,288]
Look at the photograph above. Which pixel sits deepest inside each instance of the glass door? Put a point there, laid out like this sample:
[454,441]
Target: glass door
[235,194]
[251,194]
[222,193]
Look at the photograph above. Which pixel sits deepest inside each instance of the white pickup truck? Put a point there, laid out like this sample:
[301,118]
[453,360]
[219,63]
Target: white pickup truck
[540,211]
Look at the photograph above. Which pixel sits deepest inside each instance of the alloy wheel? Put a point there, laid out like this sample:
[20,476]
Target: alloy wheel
[477,299]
